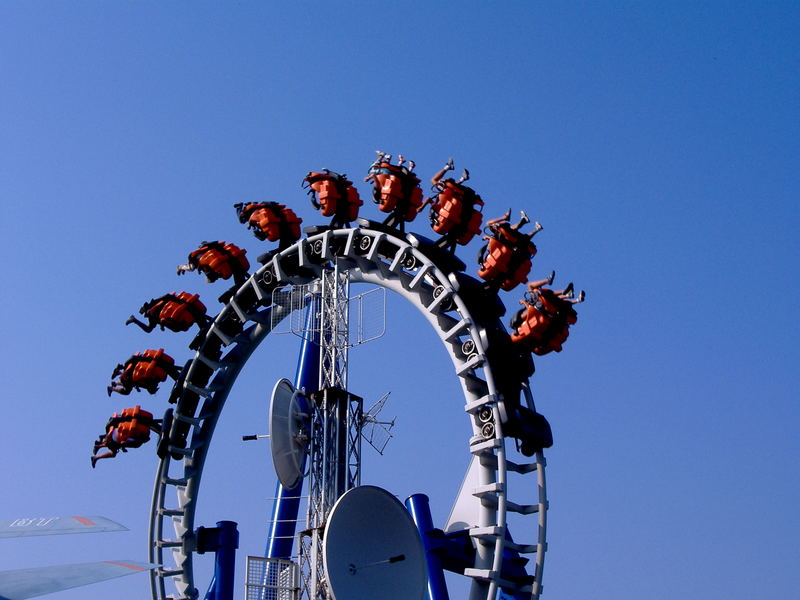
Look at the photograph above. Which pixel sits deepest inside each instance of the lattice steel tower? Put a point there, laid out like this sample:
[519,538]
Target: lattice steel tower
[336,419]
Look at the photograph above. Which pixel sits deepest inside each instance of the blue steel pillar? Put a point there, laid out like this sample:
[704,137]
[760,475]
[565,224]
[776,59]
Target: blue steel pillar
[223,541]
[419,508]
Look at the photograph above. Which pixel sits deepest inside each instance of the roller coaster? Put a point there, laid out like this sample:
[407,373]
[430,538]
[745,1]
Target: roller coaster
[311,273]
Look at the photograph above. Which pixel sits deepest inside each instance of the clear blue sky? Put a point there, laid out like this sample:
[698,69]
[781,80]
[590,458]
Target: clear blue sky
[656,142]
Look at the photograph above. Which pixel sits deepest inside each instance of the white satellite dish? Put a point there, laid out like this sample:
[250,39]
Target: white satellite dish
[288,438]
[372,548]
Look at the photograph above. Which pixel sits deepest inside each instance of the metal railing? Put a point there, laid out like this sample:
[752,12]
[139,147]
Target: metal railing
[271,579]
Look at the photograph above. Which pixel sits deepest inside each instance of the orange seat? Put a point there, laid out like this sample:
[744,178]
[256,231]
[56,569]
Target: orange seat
[507,258]
[147,369]
[334,194]
[177,311]
[456,209]
[271,221]
[131,433]
[397,187]
[136,413]
[544,325]
[218,260]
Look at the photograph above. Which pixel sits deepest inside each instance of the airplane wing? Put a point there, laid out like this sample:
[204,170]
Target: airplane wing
[29,583]
[27,526]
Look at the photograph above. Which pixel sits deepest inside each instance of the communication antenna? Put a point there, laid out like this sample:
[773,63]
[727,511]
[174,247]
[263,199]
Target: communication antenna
[288,427]
[371,544]
[377,433]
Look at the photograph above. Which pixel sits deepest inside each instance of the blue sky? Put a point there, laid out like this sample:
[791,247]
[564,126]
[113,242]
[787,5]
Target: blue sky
[656,142]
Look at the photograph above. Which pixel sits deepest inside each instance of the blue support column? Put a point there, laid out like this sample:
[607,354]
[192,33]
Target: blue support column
[419,507]
[223,541]
[286,506]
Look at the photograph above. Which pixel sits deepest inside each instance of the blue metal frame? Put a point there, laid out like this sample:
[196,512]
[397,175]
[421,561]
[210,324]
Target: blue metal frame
[419,507]
[223,541]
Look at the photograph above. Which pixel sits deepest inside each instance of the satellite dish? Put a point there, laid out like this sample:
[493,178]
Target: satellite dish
[373,549]
[288,438]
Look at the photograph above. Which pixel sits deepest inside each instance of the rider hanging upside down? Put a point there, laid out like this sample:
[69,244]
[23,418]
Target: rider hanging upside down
[505,260]
[130,429]
[333,195]
[270,221]
[455,209]
[175,311]
[143,370]
[542,325]
[395,189]
[218,260]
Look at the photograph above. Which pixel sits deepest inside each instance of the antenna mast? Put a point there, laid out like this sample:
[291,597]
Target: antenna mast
[336,418]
